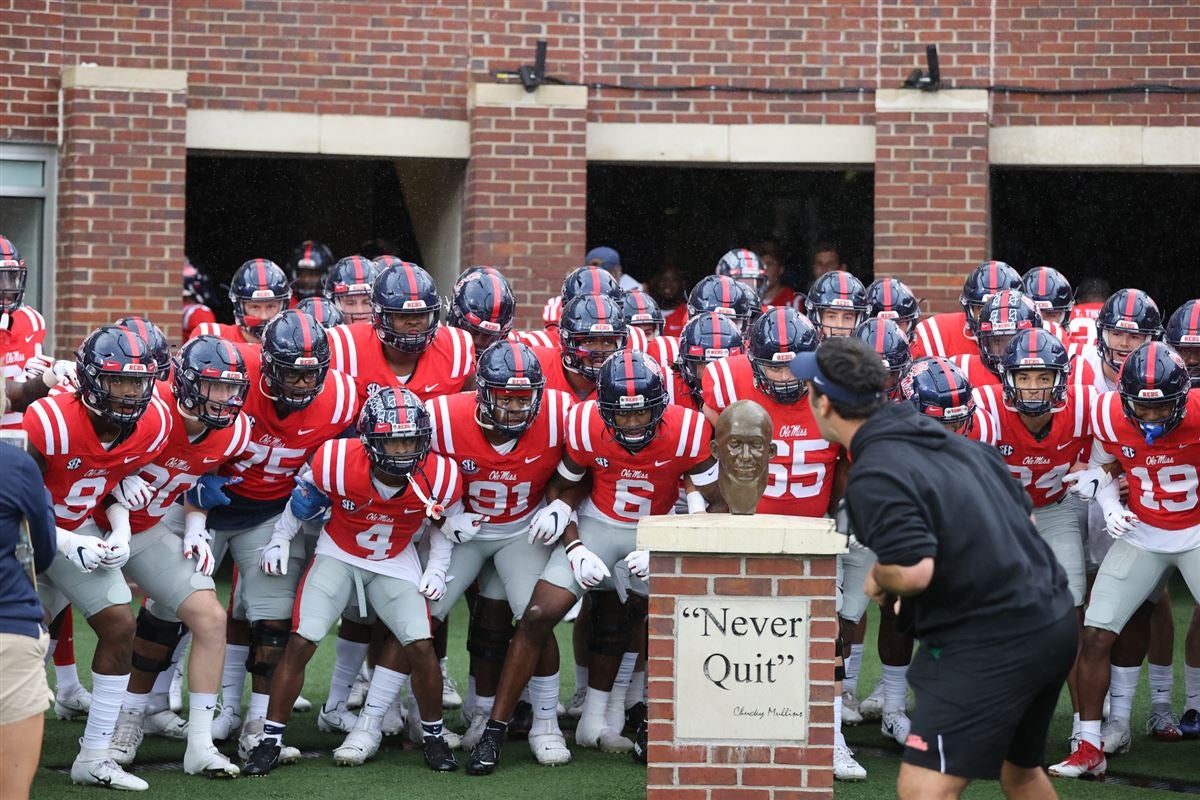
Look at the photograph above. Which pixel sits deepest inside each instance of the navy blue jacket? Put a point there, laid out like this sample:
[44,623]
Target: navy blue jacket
[23,496]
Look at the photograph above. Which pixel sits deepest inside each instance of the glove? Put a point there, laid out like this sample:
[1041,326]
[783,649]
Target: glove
[1087,483]
[85,552]
[62,374]
[207,493]
[588,568]
[197,543]
[133,492]
[116,553]
[639,563]
[307,500]
[37,366]
[433,584]
[549,523]
[1118,519]
[274,561]
[462,528]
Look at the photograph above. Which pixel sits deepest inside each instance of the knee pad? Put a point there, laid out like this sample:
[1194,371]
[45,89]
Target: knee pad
[152,629]
[264,634]
[839,671]
[610,631]
[487,639]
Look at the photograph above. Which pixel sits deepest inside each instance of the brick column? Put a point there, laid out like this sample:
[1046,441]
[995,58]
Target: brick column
[526,203]
[121,199]
[703,562]
[931,189]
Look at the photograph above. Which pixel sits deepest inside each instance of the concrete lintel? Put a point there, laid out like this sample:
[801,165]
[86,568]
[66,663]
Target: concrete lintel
[83,76]
[666,142]
[253,131]
[737,535]
[513,94]
[944,100]
[1069,145]
[730,144]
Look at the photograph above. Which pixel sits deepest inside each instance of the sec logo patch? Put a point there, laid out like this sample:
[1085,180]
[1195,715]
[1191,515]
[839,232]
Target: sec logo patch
[347,505]
[468,466]
[1005,450]
[74,463]
[602,461]
[1127,451]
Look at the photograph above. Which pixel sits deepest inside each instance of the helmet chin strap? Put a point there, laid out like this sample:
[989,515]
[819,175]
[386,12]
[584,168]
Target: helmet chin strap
[432,509]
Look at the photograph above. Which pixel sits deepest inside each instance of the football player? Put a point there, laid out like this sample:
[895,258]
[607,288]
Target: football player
[482,303]
[591,328]
[196,294]
[584,280]
[940,390]
[888,298]
[953,334]
[381,488]
[643,313]
[705,339]
[259,290]
[837,304]
[889,341]
[348,286]
[724,296]
[636,448]
[1148,430]
[1183,333]
[999,319]
[1051,292]
[309,264]
[323,311]
[744,266]
[86,442]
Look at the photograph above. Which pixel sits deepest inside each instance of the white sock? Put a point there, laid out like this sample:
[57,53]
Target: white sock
[160,698]
[895,688]
[347,660]
[1162,682]
[595,707]
[135,703]
[201,706]
[1191,683]
[1122,685]
[385,686]
[1089,731]
[180,649]
[581,677]
[637,689]
[258,706]
[1075,725]
[544,691]
[839,740]
[107,693]
[486,704]
[274,730]
[472,697]
[615,716]
[65,677]
[850,682]
[442,664]
[233,675]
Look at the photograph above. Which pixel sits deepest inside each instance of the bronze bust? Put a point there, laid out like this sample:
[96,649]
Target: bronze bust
[744,448]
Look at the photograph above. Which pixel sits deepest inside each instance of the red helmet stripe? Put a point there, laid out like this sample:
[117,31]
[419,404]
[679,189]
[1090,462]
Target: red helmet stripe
[262,271]
[601,316]
[993,278]
[594,272]
[1033,342]
[949,382]
[360,273]
[518,362]
[1130,299]
[887,295]
[630,387]
[880,331]
[307,334]
[496,292]
[843,290]
[1043,277]
[308,250]
[230,353]
[134,348]
[412,279]
[725,301]
[1193,324]
[716,325]
[781,331]
[1151,360]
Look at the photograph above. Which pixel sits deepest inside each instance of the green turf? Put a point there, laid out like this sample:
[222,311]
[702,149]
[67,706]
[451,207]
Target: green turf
[399,771]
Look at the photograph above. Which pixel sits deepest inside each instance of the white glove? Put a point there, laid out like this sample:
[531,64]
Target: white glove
[589,569]
[1118,519]
[197,543]
[62,374]
[37,366]
[85,552]
[116,555]
[462,528]
[133,492]
[1087,483]
[549,523]
[639,563]
[433,584]
[274,561]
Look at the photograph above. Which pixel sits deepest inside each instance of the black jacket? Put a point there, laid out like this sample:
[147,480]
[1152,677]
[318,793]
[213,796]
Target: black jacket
[23,498]
[917,491]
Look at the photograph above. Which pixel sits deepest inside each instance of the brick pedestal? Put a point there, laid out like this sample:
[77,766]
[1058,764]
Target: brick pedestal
[703,561]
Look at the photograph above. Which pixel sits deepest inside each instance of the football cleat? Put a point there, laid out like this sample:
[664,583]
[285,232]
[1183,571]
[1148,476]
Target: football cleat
[486,755]
[522,719]
[226,723]
[641,748]
[167,724]
[360,744]
[252,735]
[358,691]
[302,704]
[850,715]
[575,706]
[71,702]
[437,754]
[1115,736]
[94,767]
[474,731]
[1086,761]
[450,695]
[895,725]
[635,715]
[208,760]
[393,719]
[175,693]
[871,706]
[263,758]
[1161,725]
[339,718]
[1189,724]
[126,738]
[548,744]
[845,768]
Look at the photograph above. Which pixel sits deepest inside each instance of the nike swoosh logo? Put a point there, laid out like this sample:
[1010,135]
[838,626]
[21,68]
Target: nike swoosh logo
[1065,446]
[533,459]
[132,458]
[79,552]
[100,780]
[305,431]
[660,463]
[211,460]
[413,510]
[29,339]
[555,515]
[432,386]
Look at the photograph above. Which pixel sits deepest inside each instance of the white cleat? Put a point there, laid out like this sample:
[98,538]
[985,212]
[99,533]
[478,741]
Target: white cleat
[175,693]
[251,735]
[845,768]
[339,718]
[360,744]
[850,715]
[1115,735]
[302,704]
[452,739]
[611,741]
[71,702]
[871,706]
[475,732]
[393,719]
[96,768]
[288,754]
[450,696]
[207,760]
[575,707]
[226,723]
[126,738]
[358,690]
[896,725]
[548,744]
[167,724]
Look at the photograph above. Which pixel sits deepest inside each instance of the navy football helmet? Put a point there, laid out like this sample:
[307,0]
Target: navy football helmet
[774,340]
[482,303]
[394,414]
[940,390]
[13,275]
[841,293]
[591,329]
[1000,318]
[295,359]
[155,339]
[509,386]
[1154,386]
[889,341]
[590,280]
[983,282]
[1133,313]
[309,264]
[703,339]
[405,307]
[745,267]
[1035,349]
[1051,292]
[630,382]
[642,312]
[888,298]
[724,296]
[1183,333]
[210,380]
[116,374]
[259,281]
[323,311]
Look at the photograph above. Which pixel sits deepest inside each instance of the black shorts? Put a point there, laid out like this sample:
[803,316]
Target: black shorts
[980,704]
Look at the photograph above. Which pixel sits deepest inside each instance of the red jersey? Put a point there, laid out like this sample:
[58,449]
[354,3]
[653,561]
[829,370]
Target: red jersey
[1081,324]
[674,319]
[278,448]
[552,311]
[20,341]
[944,335]
[79,469]
[195,315]
[230,333]
[1041,464]
[665,350]
[801,473]
[367,528]
[628,486]
[678,392]
[441,369]
[535,338]
[1162,476]
[556,374]
[505,486]
[181,463]
[786,296]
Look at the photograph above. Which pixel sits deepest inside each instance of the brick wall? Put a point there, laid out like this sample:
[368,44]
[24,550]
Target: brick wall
[684,770]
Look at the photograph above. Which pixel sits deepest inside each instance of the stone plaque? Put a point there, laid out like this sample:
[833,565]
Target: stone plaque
[741,669]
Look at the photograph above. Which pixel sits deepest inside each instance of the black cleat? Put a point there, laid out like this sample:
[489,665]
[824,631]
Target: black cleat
[635,715]
[639,743]
[522,720]
[263,758]
[486,754]
[438,755]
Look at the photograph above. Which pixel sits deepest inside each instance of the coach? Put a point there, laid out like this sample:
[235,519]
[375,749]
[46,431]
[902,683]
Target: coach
[977,585]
